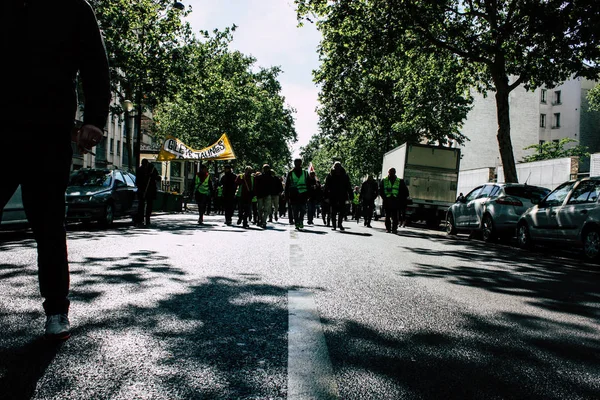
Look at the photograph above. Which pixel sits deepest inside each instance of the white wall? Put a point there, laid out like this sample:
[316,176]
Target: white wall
[547,173]
[470,179]
[595,164]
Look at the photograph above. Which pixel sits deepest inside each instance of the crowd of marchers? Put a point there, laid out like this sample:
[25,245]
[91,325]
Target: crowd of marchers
[259,197]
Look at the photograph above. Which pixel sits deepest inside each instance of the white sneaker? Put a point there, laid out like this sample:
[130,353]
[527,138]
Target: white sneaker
[58,327]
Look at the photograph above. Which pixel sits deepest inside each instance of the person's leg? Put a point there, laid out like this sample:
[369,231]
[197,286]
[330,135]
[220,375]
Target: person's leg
[139,218]
[266,210]
[44,203]
[394,219]
[388,216]
[228,209]
[149,205]
[260,203]
[311,211]
[275,203]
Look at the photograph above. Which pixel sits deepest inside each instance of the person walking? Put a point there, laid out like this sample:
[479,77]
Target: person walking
[311,202]
[245,184]
[368,194]
[356,204]
[339,192]
[296,190]
[146,179]
[276,192]
[389,190]
[325,206]
[229,187]
[42,58]
[262,190]
[203,188]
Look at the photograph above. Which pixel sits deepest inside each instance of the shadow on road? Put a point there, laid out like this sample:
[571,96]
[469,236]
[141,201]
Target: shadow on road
[510,356]
[143,328]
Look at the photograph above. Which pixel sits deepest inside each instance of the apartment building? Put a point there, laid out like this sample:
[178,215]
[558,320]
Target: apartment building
[546,114]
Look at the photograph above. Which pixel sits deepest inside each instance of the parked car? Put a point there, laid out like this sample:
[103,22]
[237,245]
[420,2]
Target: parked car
[13,213]
[493,209]
[569,215]
[102,195]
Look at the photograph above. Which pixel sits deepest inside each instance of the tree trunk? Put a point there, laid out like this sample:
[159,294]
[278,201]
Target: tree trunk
[504,142]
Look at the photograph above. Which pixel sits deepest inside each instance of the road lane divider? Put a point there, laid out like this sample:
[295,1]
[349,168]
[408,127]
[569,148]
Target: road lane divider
[310,374]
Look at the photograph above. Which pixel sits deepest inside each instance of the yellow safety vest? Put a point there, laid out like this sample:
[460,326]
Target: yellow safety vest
[202,187]
[299,182]
[391,190]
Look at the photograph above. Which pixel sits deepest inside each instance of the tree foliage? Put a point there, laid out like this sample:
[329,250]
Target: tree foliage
[552,150]
[594,98]
[195,86]
[229,95]
[378,92]
[498,44]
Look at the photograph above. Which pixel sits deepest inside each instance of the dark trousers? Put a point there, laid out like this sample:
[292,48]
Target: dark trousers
[326,213]
[312,208]
[245,212]
[202,200]
[338,212]
[391,218]
[368,209]
[43,174]
[144,209]
[299,209]
[229,203]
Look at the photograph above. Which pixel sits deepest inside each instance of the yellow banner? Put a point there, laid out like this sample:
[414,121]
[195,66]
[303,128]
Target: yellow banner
[174,149]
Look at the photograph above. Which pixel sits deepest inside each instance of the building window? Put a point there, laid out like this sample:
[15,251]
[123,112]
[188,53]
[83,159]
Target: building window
[557,97]
[118,147]
[543,96]
[556,123]
[112,146]
[541,143]
[542,120]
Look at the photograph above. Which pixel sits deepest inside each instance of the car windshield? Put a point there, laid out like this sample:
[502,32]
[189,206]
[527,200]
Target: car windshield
[90,178]
[530,193]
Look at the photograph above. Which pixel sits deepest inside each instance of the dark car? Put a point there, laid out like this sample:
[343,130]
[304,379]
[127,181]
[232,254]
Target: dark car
[102,195]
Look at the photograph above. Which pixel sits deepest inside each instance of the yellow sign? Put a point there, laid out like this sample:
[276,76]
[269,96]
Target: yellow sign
[174,149]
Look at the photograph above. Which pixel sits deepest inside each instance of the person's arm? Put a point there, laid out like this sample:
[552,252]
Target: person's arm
[95,78]
[382,189]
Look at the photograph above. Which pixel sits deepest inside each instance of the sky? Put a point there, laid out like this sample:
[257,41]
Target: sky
[267,30]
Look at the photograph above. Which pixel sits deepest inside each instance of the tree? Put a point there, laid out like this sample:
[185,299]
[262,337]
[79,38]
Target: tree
[552,150]
[501,44]
[145,42]
[377,93]
[594,98]
[225,93]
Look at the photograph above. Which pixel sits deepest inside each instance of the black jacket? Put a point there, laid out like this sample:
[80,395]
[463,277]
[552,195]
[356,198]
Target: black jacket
[44,45]
[369,191]
[229,185]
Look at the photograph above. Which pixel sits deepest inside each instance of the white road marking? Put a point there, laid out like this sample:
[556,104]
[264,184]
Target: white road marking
[310,375]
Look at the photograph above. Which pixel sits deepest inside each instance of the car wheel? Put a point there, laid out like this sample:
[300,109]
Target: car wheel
[488,232]
[591,244]
[109,215]
[524,237]
[450,226]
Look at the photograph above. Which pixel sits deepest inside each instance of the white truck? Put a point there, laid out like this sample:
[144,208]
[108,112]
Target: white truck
[431,174]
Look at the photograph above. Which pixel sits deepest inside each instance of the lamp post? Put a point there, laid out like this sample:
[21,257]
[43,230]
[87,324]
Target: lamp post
[128,107]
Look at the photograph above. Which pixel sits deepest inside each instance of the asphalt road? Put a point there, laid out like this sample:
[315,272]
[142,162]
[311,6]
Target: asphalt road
[182,311]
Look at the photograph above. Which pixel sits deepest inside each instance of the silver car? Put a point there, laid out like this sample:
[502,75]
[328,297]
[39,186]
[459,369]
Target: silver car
[492,209]
[569,215]
[14,212]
